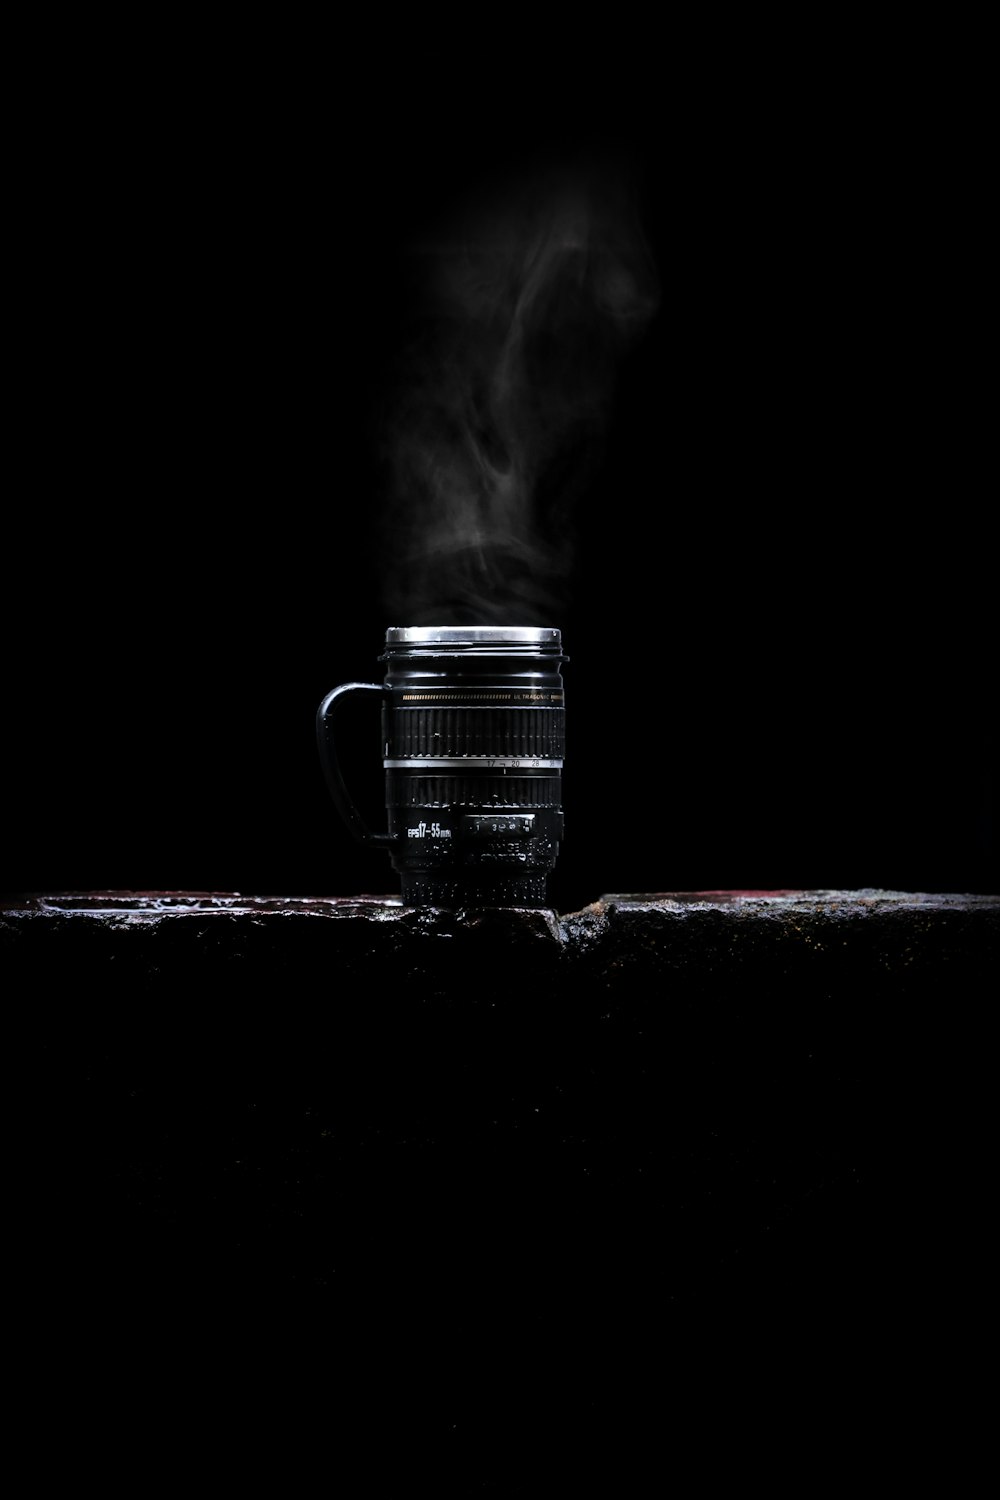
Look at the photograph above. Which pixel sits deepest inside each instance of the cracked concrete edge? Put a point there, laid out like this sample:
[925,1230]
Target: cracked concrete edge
[117,910]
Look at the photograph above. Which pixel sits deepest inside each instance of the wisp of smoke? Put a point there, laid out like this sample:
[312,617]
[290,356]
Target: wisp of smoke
[500,402]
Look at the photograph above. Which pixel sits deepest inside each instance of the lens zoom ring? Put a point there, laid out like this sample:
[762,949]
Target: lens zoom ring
[406,790]
[531,733]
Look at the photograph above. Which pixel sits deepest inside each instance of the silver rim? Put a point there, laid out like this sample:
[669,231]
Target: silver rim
[479,762]
[472,635]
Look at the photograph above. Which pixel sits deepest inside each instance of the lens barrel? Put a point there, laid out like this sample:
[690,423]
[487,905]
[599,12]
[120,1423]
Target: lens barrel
[474,729]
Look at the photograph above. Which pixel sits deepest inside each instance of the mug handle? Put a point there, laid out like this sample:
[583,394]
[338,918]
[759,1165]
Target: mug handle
[331,766]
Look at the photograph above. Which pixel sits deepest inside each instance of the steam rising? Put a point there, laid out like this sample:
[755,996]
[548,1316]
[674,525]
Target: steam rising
[530,300]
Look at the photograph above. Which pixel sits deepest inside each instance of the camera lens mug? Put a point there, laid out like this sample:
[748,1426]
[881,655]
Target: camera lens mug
[473,735]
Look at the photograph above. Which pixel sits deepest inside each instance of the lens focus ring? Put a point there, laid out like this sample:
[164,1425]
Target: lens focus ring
[529,733]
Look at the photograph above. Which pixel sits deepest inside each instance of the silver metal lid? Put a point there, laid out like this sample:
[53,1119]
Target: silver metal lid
[472,635]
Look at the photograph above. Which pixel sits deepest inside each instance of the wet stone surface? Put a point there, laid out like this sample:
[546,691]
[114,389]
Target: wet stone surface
[490,1131]
[370,950]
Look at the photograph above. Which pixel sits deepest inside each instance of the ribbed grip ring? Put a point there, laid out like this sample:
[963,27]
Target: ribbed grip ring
[408,789]
[531,733]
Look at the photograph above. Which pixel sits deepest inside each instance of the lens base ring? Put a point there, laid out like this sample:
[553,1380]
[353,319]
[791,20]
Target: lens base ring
[463,891]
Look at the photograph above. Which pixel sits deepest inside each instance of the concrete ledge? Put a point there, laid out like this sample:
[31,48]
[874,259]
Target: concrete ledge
[679,932]
[490,1126]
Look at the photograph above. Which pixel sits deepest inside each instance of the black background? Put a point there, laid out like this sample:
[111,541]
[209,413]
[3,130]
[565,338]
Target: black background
[781,640]
[780,625]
